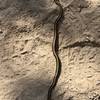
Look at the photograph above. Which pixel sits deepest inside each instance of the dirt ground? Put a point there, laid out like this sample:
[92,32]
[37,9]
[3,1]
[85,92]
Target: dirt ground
[27,64]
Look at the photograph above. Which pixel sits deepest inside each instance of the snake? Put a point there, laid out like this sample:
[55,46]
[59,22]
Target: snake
[55,50]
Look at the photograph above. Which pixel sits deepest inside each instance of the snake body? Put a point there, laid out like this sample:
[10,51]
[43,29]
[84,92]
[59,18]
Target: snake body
[55,50]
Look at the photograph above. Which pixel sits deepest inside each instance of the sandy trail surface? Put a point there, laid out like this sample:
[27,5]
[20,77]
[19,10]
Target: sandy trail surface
[27,64]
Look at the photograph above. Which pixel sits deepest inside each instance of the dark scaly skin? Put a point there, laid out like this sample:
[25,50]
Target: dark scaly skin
[55,51]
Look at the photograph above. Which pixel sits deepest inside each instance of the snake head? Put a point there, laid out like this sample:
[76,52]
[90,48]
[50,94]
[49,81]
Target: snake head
[56,1]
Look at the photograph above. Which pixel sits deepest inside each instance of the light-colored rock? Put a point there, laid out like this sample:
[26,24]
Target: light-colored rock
[27,64]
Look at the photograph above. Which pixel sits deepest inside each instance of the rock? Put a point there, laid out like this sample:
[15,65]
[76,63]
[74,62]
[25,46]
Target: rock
[27,64]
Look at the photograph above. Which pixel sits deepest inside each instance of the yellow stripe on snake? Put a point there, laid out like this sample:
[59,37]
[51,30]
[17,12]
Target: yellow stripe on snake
[55,50]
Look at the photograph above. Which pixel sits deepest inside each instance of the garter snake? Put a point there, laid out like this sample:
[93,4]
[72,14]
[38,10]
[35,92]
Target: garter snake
[55,50]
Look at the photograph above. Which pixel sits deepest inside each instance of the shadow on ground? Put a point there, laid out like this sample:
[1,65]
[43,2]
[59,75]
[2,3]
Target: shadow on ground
[36,90]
